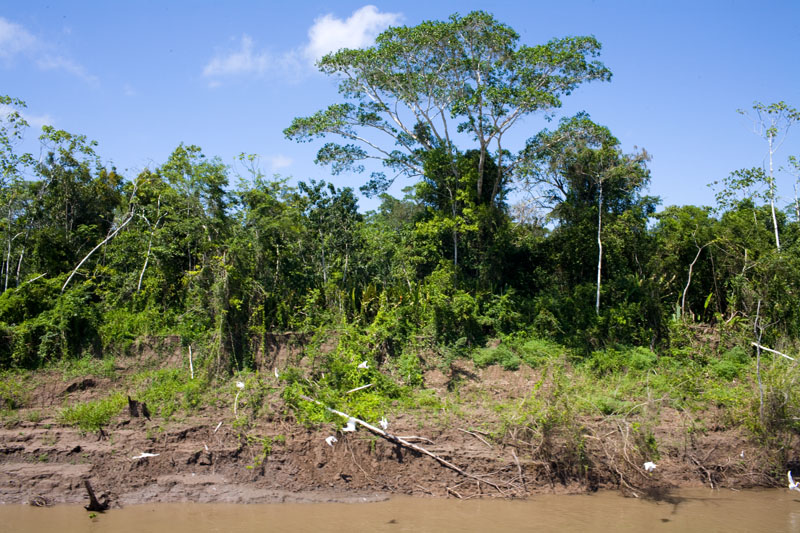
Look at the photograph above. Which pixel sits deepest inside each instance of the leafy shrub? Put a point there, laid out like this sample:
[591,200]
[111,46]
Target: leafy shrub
[167,390]
[731,363]
[536,352]
[410,369]
[612,360]
[13,392]
[501,354]
[91,416]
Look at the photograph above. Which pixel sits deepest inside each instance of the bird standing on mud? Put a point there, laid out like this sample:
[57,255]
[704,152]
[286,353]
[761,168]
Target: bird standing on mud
[792,484]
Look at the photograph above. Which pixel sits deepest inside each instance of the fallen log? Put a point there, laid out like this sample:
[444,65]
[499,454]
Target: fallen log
[404,443]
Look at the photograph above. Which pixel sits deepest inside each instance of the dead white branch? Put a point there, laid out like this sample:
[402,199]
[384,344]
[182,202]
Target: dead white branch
[772,351]
[401,442]
[111,236]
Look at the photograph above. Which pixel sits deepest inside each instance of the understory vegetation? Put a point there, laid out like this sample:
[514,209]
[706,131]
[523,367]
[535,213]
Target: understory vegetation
[618,307]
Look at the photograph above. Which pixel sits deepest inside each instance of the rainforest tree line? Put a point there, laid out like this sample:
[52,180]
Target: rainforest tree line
[222,255]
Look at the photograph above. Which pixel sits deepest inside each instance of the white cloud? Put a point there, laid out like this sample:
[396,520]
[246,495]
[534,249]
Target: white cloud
[327,34]
[57,62]
[279,161]
[246,60]
[34,121]
[17,41]
[14,39]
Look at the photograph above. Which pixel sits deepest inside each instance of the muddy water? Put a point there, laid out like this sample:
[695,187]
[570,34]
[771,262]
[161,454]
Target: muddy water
[702,511]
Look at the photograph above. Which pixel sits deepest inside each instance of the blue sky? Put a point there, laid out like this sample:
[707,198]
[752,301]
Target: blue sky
[142,77]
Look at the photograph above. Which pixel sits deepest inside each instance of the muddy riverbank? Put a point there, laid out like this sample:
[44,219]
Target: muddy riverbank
[212,454]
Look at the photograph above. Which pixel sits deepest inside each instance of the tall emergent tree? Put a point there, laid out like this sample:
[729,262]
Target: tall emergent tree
[444,87]
[772,122]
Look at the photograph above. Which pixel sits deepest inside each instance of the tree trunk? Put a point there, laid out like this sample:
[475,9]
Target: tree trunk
[599,247]
[772,193]
[689,280]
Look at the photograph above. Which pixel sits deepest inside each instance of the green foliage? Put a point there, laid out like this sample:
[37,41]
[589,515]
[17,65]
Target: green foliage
[613,360]
[536,351]
[732,363]
[410,368]
[13,390]
[498,355]
[87,365]
[168,390]
[95,414]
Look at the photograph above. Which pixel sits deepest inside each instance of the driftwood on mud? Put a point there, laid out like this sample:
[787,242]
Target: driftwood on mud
[94,504]
[404,443]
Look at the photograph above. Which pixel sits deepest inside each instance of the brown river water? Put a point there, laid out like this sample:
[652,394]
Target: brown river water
[687,510]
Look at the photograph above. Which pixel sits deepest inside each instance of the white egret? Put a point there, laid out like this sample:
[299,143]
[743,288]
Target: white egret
[240,386]
[649,466]
[384,423]
[792,484]
[363,365]
[276,372]
[145,455]
[351,425]
[330,440]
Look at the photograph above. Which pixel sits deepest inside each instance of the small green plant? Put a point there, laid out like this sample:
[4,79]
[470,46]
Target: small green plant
[731,363]
[612,360]
[87,365]
[410,368]
[500,354]
[167,390]
[91,416]
[13,392]
[263,446]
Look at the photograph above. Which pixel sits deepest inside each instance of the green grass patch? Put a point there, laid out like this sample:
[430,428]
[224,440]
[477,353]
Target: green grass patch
[13,390]
[92,415]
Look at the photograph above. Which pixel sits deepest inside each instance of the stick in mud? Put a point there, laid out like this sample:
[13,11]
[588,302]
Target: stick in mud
[397,440]
[94,504]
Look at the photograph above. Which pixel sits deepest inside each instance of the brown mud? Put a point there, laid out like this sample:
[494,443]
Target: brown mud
[205,457]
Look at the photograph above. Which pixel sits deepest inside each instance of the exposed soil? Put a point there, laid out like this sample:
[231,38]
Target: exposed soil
[198,459]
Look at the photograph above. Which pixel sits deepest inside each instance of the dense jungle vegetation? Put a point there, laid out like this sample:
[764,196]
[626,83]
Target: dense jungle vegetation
[221,255]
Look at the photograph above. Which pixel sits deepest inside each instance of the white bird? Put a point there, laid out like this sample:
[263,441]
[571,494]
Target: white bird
[276,372]
[384,423]
[330,440]
[351,425]
[649,466]
[792,484]
[240,385]
[144,455]
[363,365]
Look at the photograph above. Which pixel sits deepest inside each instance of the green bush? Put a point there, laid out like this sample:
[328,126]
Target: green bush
[611,360]
[731,363]
[499,355]
[91,416]
[536,352]
[13,392]
[167,390]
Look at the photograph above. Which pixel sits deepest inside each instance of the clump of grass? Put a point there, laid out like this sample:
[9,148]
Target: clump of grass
[168,390]
[611,360]
[13,392]
[498,355]
[92,415]
[87,365]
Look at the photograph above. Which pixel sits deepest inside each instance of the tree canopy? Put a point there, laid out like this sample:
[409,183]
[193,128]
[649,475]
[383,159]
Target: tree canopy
[452,85]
